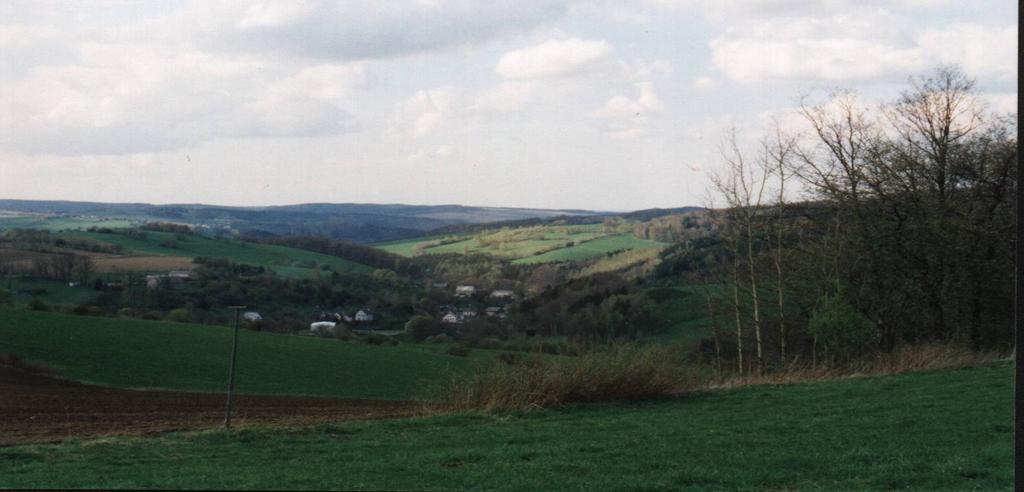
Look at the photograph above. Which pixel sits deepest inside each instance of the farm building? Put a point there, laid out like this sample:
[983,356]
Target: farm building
[465,291]
[322,327]
[364,315]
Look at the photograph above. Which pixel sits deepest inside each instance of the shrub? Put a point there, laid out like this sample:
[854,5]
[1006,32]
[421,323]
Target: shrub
[841,329]
[5,297]
[618,373]
[508,358]
[37,305]
[488,343]
[151,315]
[440,338]
[422,327]
[459,350]
[180,315]
[374,339]
[341,332]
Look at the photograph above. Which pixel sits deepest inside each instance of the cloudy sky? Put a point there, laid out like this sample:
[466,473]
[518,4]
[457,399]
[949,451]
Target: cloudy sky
[530,103]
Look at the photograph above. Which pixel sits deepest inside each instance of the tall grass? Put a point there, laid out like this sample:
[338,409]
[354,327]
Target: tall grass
[630,373]
[619,373]
[908,358]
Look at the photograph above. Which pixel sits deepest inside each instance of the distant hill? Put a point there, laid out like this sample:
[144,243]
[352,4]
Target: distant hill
[353,221]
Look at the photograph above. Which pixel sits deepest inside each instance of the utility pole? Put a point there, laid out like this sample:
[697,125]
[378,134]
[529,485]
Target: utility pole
[231,371]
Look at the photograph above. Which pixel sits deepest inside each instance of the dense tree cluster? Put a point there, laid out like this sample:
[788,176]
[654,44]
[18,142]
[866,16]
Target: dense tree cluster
[908,234]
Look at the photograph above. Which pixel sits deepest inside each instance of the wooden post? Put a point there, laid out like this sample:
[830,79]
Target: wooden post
[231,369]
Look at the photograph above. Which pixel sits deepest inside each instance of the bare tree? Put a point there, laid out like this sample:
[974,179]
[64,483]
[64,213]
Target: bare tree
[777,152]
[743,187]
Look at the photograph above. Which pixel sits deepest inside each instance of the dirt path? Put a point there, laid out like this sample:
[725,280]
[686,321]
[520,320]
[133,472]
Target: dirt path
[37,409]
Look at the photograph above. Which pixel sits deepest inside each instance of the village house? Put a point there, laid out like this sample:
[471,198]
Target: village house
[495,311]
[465,291]
[251,316]
[450,318]
[364,315]
[503,294]
[170,279]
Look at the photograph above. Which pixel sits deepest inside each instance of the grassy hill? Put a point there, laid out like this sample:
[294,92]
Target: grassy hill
[289,262]
[156,354]
[944,430]
[24,220]
[354,221]
[536,244]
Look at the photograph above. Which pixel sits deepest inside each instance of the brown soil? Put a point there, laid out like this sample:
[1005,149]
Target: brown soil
[114,264]
[36,409]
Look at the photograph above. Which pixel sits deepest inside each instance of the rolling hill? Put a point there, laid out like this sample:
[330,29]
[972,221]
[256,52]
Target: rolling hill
[353,221]
[533,244]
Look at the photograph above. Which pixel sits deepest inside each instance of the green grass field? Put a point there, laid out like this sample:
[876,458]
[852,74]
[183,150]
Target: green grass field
[57,292]
[593,248]
[11,220]
[289,261]
[945,430]
[155,354]
[539,244]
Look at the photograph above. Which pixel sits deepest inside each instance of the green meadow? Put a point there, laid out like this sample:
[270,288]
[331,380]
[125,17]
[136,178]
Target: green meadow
[943,430]
[538,244]
[289,261]
[157,354]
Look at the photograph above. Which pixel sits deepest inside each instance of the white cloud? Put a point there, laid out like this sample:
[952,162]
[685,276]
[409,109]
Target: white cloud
[703,82]
[859,45]
[982,51]
[367,30]
[623,107]
[1001,102]
[630,118]
[427,110]
[506,96]
[808,48]
[439,152]
[122,98]
[555,58]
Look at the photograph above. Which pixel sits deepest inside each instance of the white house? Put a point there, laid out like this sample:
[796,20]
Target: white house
[450,318]
[503,294]
[251,316]
[464,291]
[364,315]
[492,311]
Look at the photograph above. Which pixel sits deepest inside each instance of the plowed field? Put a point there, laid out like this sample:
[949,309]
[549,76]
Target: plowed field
[36,408]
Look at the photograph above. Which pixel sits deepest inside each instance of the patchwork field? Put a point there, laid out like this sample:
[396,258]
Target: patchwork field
[154,354]
[944,430]
[11,220]
[538,244]
[175,250]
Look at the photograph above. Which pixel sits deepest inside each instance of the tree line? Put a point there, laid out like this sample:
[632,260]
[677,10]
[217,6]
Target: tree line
[904,231]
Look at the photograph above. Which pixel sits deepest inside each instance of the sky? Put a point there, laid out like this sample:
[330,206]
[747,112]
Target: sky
[582,104]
